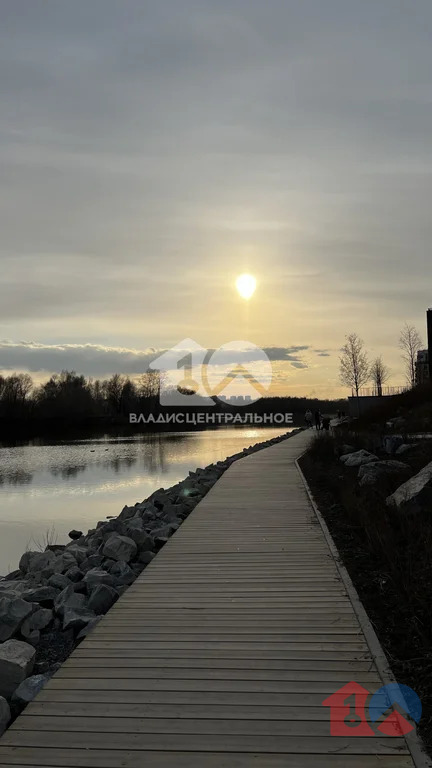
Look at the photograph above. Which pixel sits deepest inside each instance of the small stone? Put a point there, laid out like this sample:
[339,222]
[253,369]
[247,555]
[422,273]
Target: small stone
[16,663]
[27,690]
[146,557]
[75,534]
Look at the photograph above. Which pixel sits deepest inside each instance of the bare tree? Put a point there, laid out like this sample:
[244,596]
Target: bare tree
[354,366]
[410,343]
[149,384]
[379,373]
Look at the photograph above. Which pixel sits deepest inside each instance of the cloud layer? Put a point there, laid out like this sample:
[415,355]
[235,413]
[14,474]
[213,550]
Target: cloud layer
[151,152]
[98,360]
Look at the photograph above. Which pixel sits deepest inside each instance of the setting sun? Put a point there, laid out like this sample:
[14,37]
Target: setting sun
[246,285]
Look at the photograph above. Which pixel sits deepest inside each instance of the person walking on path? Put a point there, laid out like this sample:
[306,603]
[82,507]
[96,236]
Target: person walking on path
[317,419]
[308,418]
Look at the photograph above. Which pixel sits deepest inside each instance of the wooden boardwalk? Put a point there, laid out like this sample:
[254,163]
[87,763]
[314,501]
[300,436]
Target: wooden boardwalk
[221,653]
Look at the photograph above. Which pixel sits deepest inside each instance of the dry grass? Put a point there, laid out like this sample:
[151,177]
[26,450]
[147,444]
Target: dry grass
[389,558]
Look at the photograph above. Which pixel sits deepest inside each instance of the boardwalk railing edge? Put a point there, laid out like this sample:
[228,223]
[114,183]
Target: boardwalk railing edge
[413,740]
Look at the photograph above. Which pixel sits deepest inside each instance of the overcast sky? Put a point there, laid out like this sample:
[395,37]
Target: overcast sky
[150,152]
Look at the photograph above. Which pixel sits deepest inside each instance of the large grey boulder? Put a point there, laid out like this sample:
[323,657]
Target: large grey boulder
[147,512]
[69,599]
[58,581]
[358,458]
[377,471]
[5,715]
[122,573]
[16,663]
[13,611]
[78,552]
[65,561]
[405,448]
[40,619]
[76,618]
[41,561]
[24,562]
[74,574]
[415,494]
[96,576]
[127,513]
[120,548]
[135,530]
[12,588]
[43,595]
[94,561]
[174,513]
[27,690]
[102,598]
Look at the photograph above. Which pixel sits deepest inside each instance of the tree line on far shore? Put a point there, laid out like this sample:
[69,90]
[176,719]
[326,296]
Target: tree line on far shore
[71,398]
[356,369]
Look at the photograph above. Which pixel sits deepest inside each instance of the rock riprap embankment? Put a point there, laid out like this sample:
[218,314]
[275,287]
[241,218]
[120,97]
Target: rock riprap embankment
[56,597]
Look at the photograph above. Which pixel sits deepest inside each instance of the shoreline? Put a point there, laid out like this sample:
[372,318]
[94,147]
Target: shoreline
[56,597]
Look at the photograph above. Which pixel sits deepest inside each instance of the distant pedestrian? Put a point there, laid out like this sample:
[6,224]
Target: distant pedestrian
[317,420]
[308,418]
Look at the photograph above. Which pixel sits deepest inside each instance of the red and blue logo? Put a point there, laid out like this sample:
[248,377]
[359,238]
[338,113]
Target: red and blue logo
[392,710]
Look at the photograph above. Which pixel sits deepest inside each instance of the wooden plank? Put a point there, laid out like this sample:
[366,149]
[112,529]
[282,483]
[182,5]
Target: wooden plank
[201,698]
[168,711]
[147,725]
[95,661]
[194,673]
[110,683]
[207,742]
[129,758]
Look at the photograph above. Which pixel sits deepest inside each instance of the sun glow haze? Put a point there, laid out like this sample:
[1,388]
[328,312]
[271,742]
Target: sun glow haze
[246,285]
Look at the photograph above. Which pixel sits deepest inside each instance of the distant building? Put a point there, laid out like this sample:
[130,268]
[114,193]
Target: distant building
[236,399]
[422,366]
[429,336]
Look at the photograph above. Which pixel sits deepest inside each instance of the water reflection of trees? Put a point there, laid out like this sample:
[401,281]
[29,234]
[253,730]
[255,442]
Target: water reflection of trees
[148,454]
[15,477]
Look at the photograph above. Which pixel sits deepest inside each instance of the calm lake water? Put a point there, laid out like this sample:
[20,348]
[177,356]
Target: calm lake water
[74,484]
